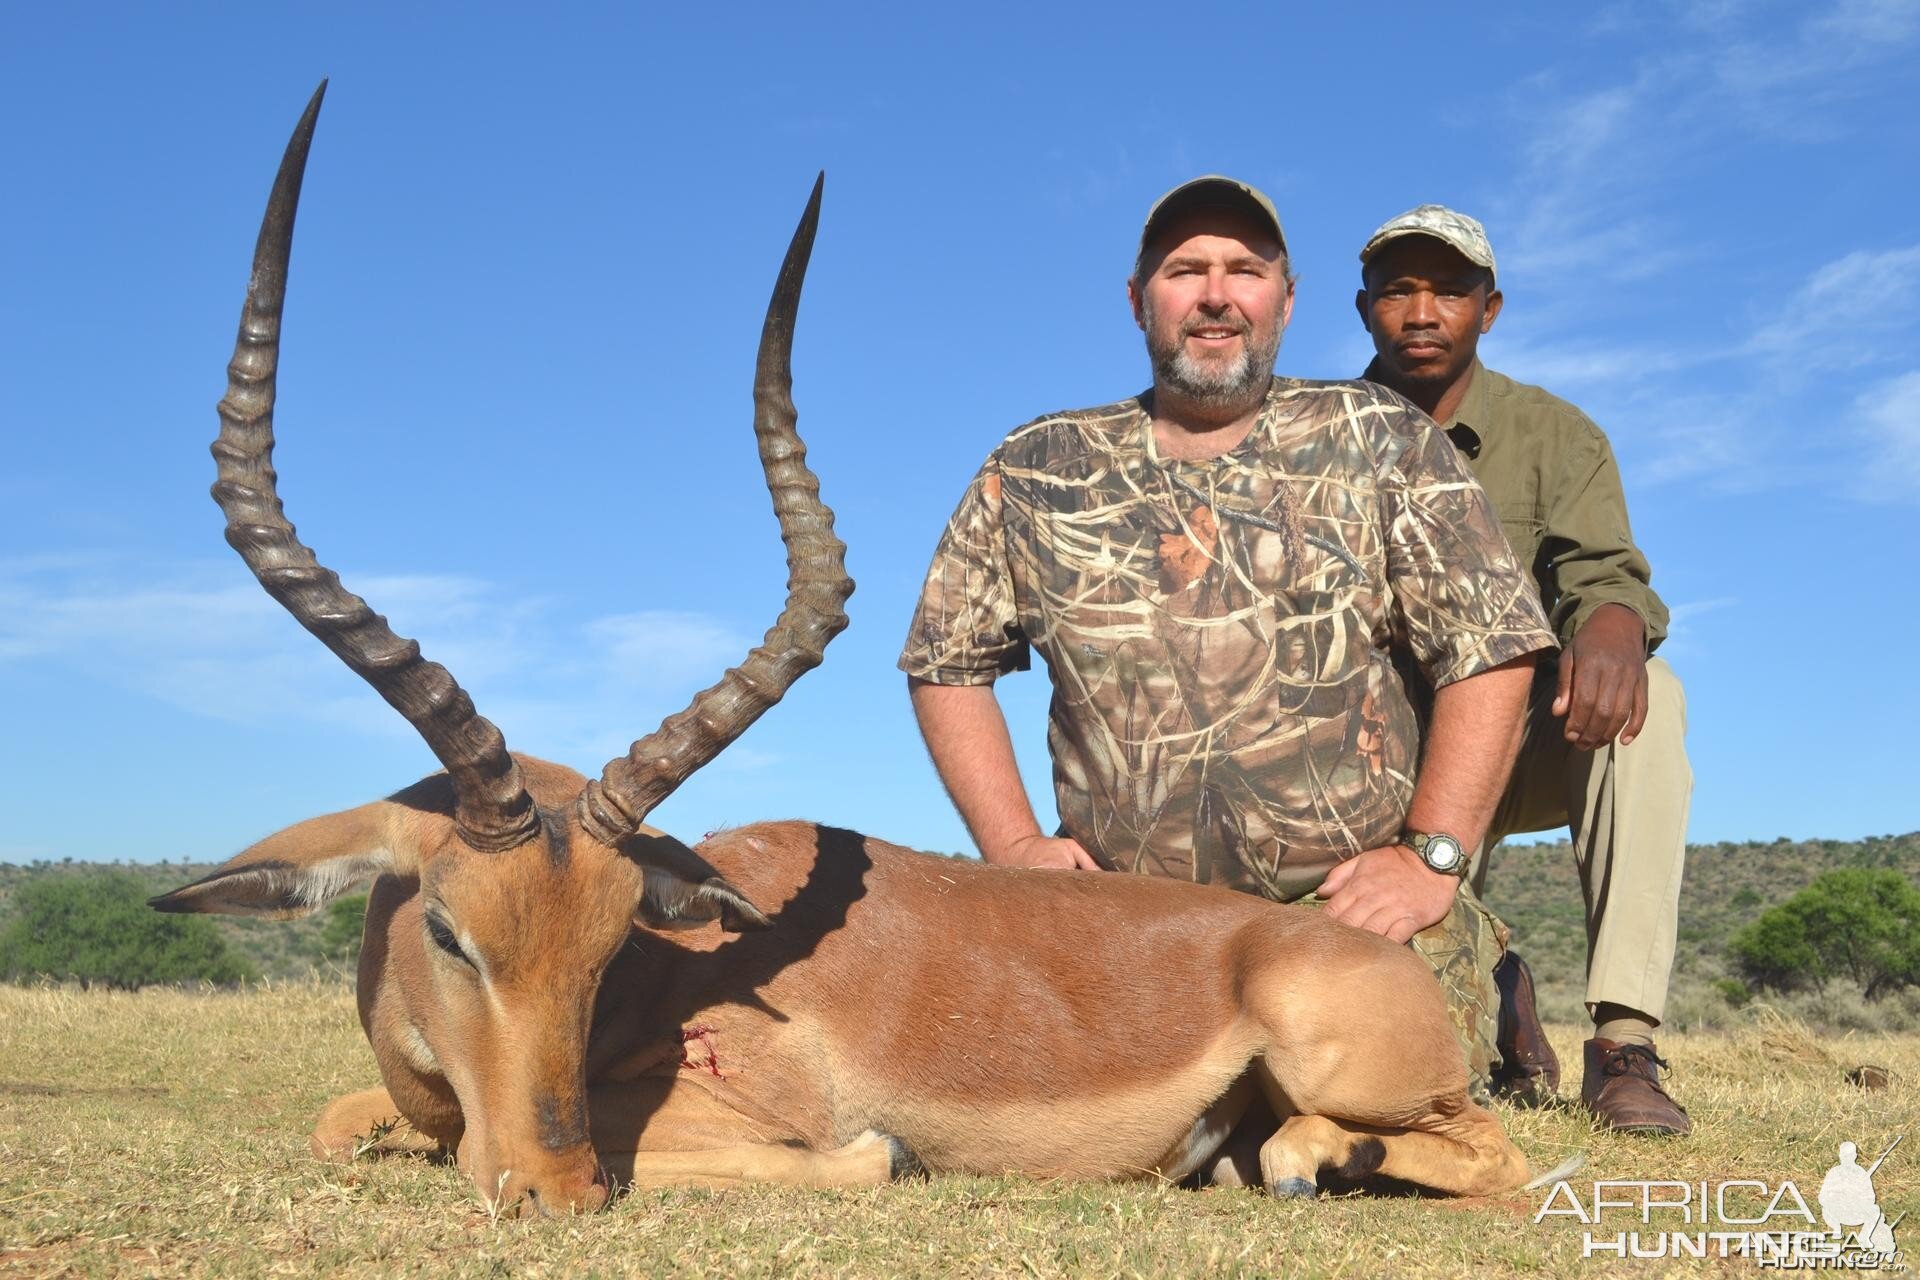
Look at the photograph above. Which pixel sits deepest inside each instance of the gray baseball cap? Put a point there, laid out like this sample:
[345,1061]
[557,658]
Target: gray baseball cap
[1212,191]
[1443,224]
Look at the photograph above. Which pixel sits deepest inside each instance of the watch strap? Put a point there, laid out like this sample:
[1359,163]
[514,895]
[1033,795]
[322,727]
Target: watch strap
[1419,842]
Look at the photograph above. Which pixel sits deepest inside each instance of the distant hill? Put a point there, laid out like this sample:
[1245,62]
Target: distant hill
[1534,888]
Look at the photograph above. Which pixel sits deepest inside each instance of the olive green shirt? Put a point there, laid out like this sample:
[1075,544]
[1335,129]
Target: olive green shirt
[1552,479]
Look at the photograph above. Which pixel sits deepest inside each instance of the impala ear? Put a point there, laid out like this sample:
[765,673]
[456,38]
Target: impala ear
[674,901]
[296,871]
[683,890]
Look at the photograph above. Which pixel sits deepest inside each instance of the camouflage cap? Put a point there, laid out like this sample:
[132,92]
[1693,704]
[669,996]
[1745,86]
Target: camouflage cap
[1212,191]
[1443,224]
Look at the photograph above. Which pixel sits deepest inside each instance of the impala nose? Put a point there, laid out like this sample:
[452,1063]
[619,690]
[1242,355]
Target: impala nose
[559,1196]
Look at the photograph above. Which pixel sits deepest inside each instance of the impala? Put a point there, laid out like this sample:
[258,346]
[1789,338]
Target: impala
[567,998]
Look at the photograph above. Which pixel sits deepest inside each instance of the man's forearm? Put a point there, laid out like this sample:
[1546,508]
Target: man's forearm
[966,735]
[1471,745]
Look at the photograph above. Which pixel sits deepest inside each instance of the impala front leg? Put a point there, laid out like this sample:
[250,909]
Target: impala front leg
[868,1161]
[669,1133]
[367,1123]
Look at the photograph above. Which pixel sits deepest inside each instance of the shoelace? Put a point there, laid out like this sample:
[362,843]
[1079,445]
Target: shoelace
[1618,1062]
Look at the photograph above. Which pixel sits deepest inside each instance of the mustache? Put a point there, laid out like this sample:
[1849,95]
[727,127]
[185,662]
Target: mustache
[1424,340]
[1191,327]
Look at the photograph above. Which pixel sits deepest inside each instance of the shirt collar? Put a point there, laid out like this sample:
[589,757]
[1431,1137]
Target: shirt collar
[1473,407]
[1467,427]
[1277,386]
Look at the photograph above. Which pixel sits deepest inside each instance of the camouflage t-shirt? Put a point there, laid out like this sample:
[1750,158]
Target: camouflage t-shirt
[1225,704]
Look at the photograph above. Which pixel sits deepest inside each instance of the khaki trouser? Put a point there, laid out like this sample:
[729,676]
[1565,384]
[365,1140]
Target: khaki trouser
[1627,808]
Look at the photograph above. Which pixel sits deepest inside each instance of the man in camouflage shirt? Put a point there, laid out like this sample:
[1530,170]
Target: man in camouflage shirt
[1604,749]
[1217,573]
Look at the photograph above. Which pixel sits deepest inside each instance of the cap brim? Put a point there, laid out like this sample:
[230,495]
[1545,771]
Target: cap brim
[1210,193]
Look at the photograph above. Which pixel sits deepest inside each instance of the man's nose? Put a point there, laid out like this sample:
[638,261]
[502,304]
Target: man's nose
[1215,297]
[1420,312]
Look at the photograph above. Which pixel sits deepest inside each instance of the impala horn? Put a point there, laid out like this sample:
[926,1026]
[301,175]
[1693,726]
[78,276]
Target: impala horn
[613,807]
[492,807]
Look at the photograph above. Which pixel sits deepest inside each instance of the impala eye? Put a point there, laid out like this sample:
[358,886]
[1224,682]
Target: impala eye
[442,935]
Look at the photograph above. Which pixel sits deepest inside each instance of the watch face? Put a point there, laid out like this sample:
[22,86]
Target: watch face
[1442,853]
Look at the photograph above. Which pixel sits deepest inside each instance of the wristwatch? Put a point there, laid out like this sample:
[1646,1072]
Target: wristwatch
[1440,851]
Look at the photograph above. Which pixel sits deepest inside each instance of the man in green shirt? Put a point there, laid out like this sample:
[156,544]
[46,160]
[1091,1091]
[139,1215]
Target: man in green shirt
[1603,750]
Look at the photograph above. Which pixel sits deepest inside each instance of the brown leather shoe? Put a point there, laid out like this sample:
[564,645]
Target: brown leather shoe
[1529,1072]
[1622,1088]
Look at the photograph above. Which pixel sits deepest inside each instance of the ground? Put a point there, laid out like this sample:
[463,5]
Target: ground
[165,1133]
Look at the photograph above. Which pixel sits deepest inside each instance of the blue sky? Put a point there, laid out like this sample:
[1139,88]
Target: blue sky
[534,251]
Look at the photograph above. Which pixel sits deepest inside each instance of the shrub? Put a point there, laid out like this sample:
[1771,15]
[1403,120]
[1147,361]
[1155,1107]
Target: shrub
[346,918]
[1733,991]
[1854,923]
[97,929]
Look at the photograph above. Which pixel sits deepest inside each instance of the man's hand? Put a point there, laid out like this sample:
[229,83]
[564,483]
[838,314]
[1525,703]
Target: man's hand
[1388,891]
[1603,679]
[1056,853]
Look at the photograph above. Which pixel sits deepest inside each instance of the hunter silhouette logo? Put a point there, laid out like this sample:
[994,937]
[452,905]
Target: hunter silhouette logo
[1768,1223]
[1849,1207]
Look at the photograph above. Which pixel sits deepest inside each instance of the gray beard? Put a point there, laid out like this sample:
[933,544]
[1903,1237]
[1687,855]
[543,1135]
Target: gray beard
[1212,386]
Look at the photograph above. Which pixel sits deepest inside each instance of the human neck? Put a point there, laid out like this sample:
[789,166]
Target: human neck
[1439,401]
[1190,432]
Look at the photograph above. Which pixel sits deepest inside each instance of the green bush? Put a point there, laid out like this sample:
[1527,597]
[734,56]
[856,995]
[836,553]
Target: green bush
[96,929]
[1854,923]
[346,919]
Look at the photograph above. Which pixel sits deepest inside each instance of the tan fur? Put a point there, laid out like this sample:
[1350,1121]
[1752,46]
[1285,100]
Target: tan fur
[987,1020]
[561,1007]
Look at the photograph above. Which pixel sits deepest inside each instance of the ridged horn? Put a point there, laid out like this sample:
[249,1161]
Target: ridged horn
[493,809]
[613,806]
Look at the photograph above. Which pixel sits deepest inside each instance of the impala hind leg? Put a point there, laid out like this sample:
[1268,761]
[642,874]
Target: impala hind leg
[1370,1077]
[667,1133]
[366,1123]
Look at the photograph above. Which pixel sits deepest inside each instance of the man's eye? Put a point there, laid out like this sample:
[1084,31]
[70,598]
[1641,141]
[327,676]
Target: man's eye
[443,938]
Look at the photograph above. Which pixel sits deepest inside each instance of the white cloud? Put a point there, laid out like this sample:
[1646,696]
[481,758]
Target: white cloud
[1841,317]
[1574,132]
[1684,638]
[1889,419]
[1579,363]
[191,636]
[1587,249]
[1592,152]
[658,644]
[1870,22]
[1710,440]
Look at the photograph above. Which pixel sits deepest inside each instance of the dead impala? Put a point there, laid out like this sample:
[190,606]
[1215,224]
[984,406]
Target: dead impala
[567,997]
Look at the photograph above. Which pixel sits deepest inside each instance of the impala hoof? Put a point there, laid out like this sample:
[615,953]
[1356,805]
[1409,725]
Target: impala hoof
[901,1162]
[1292,1189]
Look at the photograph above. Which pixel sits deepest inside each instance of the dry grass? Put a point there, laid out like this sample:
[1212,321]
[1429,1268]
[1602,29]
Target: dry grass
[164,1133]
